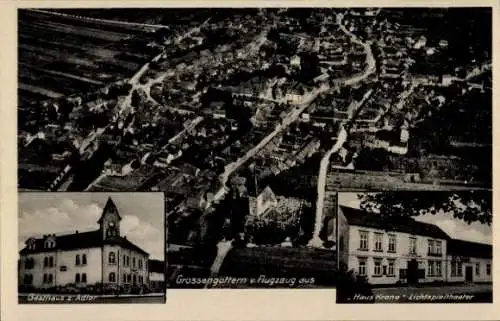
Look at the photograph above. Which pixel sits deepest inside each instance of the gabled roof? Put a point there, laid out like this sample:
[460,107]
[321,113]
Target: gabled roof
[267,195]
[469,249]
[404,224]
[68,242]
[83,240]
[109,207]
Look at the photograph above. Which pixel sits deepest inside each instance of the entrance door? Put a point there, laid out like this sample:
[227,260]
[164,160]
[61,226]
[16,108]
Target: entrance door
[412,272]
[468,274]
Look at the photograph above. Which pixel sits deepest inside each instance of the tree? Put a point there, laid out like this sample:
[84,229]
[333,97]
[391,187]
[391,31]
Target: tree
[350,284]
[469,206]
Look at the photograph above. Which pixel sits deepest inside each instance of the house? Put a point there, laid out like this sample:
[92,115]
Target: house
[100,257]
[469,261]
[406,251]
[157,276]
[389,254]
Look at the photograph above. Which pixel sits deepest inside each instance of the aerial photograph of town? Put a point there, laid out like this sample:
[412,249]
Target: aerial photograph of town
[251,120]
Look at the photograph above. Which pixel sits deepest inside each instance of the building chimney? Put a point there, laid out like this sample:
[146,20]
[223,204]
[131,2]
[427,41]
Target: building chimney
[76,232]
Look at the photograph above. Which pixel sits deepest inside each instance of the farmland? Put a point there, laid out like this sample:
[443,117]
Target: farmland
[61,55]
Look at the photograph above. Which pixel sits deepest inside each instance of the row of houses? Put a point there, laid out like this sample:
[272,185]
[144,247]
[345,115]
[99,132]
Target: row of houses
[406,251]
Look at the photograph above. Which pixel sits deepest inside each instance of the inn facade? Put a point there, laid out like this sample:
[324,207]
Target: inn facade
[407,251]
[101,257]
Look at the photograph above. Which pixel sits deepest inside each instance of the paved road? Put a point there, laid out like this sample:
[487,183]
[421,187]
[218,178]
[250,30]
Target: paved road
[342,137]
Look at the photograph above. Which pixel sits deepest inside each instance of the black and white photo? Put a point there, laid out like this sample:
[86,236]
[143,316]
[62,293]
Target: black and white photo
[91,248]
[415,247]
[250,120]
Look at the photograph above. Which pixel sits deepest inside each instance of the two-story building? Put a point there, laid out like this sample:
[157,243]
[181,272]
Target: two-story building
[407,251]
[402,251]
[100,257]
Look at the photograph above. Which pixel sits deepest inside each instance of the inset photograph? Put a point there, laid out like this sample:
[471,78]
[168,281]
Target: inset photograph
[91,248]
[415,247]
[262,240]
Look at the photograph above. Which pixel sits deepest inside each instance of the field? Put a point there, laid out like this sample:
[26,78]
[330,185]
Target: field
[61,55]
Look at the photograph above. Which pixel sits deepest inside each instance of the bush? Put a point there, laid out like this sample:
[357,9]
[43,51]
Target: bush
[349,284]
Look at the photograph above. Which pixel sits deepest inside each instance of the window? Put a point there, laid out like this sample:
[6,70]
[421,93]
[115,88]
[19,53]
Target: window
[44,278]
[456,268]
[112,277]
[430,247]
[51,261]
[363,240]
[390,268]
[29,263]
[77,278]
[128,261]
[437,271]
[413,245]
[140,264]
[49,279]
[478,269]
[124,262]
[133,262]
[124,278]
[438,247]
[111,258]
[377,268]
[84,277]
[392,243]
[129,278]
[430,268]
[45,262]
[362,267]
[378,242]
[488,269]
[77,259]
[84,259]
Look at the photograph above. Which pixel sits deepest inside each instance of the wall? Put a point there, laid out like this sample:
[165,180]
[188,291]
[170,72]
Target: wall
[343,237]
[107,267]
[92,268]
[401,256]
[124,269]
[482,277]
[63,258]
[38,268]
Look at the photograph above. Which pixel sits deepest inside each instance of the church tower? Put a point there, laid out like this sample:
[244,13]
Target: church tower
[110,221]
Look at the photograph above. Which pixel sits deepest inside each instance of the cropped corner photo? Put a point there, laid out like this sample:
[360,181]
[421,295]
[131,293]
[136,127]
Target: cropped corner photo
[91,248]
[415,247]
[253,240]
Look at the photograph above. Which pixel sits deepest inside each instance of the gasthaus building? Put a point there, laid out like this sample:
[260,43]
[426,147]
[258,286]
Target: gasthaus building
[408,251]
[84,259]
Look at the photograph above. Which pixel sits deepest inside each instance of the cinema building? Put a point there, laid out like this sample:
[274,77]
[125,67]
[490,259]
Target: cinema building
[406,251]
[97,259]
